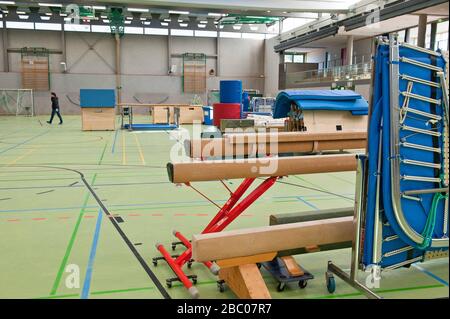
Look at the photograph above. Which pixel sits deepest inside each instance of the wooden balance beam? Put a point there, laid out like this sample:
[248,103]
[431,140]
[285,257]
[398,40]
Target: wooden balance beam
[196,171]
[238,261]
[274,143]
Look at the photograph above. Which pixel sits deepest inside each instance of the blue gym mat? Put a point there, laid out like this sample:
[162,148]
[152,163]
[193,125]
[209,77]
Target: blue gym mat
[332,100]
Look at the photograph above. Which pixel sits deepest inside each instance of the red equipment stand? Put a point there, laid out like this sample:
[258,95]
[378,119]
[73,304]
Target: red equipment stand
[229,212]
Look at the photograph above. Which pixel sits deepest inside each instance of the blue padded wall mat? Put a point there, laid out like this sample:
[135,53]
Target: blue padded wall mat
[97,98]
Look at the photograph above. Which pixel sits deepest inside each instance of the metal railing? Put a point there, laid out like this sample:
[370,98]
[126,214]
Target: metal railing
[357,71]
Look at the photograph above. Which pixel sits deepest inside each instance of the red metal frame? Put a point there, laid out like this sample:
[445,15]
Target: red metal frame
[229,212]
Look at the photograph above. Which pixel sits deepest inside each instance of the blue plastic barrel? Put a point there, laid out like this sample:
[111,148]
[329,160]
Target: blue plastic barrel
[208,115]
[230,91]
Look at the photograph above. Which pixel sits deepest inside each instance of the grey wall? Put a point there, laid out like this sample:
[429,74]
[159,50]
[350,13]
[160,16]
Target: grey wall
[144,64]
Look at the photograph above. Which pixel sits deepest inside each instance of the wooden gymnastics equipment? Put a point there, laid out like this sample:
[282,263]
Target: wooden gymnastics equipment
[275,143]
[197,171]
[270,168]
[238,263]
[163,113]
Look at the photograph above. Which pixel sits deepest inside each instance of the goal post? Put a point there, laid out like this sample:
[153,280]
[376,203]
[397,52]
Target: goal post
[17,102]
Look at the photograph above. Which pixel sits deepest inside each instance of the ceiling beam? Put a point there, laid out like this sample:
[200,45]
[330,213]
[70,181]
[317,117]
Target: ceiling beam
[248,5]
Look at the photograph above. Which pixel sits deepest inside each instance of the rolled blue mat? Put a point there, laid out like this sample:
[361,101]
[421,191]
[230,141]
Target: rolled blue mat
[231,91]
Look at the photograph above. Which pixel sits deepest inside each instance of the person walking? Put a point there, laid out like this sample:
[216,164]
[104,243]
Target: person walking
[55,109]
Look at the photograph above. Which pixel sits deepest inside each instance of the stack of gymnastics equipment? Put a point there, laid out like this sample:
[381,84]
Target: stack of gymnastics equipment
[230,101]
[241,274]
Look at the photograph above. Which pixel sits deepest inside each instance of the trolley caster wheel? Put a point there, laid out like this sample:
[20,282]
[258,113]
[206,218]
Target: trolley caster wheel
[331,284]
[189,264]
[281,286]
[302,284]
[194,281]
[155,263]
[174,247]
[221,285]
[169,284]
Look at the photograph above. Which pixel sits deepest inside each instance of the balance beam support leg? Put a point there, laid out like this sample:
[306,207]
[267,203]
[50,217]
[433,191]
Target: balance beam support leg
[245,281]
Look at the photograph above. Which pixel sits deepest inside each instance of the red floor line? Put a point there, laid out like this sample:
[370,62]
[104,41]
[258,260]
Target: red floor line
[39,218]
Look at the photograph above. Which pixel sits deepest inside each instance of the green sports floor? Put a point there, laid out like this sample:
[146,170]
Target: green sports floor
[56,242]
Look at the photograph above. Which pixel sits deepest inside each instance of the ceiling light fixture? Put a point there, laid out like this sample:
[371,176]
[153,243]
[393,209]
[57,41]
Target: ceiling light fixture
[50,4]
[137,10]
[178,12]
[212,14]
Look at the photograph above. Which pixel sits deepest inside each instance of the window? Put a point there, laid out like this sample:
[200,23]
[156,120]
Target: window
[294,57]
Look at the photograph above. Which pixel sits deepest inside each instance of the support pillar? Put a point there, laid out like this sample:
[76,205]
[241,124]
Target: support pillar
[422,30]
[349,50]
[5,45]
[118,71]
[433,36]
[63,47]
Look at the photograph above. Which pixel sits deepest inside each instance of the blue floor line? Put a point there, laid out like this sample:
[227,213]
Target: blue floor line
[24,142]
[307,203]
[429,273]
[90,266]
[114,143]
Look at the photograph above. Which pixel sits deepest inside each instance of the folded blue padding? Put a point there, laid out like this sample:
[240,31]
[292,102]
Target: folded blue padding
[331,100]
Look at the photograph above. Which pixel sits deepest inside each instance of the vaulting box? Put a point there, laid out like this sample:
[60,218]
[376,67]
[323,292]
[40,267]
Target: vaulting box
[97,109]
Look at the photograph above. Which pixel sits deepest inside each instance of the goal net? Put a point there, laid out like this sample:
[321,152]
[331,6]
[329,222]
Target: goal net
[16,102]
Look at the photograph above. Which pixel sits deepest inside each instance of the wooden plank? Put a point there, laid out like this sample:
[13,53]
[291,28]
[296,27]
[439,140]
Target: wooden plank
[224,245]
[245,281]
[275,143]
[231,262]
[292,267]
[245,138]
[246,168]
[289,218]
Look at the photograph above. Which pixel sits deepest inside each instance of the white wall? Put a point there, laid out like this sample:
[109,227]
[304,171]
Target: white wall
[144,64]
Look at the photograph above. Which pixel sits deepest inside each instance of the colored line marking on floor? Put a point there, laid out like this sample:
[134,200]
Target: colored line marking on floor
[124,154]
[24,142]
[300,198]
[141,154]
[113,148]
[6,198]
[22,156]
[52,190]
[75,232]
[69,248]
[90,266]
[429,273]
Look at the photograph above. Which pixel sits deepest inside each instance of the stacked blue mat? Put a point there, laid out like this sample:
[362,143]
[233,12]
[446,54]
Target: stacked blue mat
[397,248]
[332,100]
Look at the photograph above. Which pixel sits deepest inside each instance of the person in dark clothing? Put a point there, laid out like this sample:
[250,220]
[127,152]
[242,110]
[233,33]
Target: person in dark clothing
[55,109]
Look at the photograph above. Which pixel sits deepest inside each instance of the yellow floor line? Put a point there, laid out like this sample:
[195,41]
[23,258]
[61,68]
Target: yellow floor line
[124,155]
[22,156]
[141,154]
